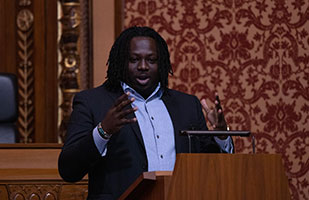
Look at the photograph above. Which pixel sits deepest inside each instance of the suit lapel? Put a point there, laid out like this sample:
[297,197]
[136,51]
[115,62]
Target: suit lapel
[136,129]
[173,111]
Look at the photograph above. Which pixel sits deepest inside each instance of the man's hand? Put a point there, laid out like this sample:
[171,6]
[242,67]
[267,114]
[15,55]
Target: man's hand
[116,116]
[215,115]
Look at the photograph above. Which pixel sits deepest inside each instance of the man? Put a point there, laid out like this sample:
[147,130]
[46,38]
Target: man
[131,123]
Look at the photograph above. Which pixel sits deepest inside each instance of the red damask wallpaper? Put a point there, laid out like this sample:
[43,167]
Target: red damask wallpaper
[255,54]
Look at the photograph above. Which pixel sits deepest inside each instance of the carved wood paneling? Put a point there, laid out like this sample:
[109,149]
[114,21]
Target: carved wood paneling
[42,190]
[25,70]
[36,68]
[28,49]
[70,61]
[33,192]
[30,172]
[75,63]
[3,192]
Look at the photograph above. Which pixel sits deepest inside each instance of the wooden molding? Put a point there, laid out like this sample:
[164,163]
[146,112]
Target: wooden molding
[25,71]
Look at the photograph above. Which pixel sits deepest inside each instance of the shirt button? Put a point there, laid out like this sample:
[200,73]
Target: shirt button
[152,118]
[161,156]
[158,136]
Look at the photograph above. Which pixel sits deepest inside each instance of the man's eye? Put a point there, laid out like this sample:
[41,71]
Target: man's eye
[133,60]
[152,60]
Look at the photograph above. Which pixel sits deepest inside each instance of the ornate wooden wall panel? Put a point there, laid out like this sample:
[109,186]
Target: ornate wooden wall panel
[70,82]
[29,31]
[29,39]
[29,172]
[255,54]
[25,70]
[75,58]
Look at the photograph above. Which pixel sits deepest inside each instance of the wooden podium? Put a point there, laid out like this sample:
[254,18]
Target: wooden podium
[215,176]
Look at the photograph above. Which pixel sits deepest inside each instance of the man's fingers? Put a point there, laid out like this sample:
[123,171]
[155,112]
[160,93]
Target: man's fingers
[217,102]
[124,103]
[121,122]
[215,115]
[220,116]
[125,121]
[126,112]
[205,106]
[121,98]
[116,116]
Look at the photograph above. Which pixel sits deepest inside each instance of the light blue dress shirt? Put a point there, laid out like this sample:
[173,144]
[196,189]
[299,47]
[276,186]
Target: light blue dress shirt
[156,127]
[157,131]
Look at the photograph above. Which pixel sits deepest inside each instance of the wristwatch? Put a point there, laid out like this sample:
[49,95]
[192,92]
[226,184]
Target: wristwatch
[103,133]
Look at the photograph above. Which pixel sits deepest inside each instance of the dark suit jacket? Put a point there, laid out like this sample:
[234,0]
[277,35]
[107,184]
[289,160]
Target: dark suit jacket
[126,159]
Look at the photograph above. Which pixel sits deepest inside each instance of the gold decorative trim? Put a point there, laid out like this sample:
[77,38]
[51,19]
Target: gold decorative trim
[75,56]
[24,3]
[70,61]
[24,21]
[71,4]
[71,90]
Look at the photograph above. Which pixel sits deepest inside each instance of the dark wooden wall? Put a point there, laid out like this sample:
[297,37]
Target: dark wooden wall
[28,38]
[7,36]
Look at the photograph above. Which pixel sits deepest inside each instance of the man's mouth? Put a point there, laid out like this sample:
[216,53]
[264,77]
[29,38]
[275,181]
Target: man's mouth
[142,80]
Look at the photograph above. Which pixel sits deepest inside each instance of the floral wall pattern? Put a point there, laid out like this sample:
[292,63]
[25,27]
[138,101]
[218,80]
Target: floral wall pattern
[255,54]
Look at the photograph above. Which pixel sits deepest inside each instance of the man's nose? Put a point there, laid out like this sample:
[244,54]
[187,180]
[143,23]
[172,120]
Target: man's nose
[143,65]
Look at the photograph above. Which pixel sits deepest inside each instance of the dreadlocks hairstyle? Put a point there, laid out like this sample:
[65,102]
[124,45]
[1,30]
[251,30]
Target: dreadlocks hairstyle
[119,56]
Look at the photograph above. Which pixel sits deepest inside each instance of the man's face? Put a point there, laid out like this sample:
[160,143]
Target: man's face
[143,73]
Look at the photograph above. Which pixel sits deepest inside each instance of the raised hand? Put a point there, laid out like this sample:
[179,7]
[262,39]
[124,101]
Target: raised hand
[116,116]
[215,114]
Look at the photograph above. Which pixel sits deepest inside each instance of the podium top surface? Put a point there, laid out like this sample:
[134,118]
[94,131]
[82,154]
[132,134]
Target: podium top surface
[215,133]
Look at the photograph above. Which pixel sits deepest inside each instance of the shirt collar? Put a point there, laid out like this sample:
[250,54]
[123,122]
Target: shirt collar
[157,93]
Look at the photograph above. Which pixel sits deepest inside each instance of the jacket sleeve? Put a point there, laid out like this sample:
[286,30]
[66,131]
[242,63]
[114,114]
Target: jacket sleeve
[79,152]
